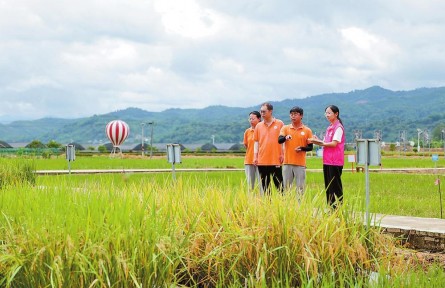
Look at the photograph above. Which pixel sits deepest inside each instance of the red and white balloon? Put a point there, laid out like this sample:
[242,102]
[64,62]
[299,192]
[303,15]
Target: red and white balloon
[117,131]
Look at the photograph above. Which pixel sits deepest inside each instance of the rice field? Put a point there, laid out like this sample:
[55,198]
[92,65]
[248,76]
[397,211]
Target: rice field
[202,230]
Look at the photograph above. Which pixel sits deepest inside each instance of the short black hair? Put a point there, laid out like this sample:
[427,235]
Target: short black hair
[297,110]
[256,113]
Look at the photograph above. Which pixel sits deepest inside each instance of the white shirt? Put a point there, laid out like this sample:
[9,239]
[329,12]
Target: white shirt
[338,135]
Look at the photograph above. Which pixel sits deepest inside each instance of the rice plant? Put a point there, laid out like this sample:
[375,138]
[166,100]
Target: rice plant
[198,231]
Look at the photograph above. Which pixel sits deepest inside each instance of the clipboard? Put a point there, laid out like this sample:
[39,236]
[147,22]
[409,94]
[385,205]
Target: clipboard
[316,141]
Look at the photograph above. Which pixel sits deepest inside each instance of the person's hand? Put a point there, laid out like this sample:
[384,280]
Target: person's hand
[281,159]
[298,149]
[288,137]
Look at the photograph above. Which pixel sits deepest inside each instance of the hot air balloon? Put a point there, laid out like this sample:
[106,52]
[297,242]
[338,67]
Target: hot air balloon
[117,131]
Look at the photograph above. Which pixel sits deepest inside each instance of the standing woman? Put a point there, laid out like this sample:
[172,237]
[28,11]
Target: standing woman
[249,166]
[333,156]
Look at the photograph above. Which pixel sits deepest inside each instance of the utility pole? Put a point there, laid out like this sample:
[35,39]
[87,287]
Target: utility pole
[418,139]
[443,139]
[142,139]
[151,123]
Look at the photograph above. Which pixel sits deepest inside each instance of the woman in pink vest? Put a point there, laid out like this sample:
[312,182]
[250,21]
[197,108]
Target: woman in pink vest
[333,156]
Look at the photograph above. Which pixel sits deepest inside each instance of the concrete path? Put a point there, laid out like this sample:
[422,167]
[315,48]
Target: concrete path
[415,232]
[431,225]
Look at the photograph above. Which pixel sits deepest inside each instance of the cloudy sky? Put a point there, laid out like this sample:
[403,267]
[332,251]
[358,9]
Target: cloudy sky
[74,59]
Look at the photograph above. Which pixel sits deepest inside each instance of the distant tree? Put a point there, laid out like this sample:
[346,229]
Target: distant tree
[53,144]
[35,144]
[102,149]
[437,132]
[392,147]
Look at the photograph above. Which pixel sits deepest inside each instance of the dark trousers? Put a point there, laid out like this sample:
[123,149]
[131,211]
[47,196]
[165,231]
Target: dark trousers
[333,185]
[270,172]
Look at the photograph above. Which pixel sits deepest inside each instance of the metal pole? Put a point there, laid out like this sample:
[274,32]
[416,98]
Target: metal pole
[367,182]
[151,139]
[443,139]
[418,140]
[440,198]
[142,139]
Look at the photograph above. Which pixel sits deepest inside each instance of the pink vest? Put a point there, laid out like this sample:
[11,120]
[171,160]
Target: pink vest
[334,155]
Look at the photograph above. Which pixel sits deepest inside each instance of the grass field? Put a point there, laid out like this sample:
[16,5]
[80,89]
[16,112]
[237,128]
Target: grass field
[396,194]
[202,230]
[226,161]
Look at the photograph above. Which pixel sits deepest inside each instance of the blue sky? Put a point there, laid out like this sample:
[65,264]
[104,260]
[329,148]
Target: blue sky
[75,59]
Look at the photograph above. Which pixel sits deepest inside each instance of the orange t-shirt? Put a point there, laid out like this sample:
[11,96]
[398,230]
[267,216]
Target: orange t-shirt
[299,138]
[269,150]
[249,143]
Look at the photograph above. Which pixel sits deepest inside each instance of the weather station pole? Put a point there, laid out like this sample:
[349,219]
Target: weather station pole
[443,139]
[151,123]
[142,138]
[418,139]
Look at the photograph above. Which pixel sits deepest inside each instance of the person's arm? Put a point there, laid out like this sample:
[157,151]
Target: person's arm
[282,138]
[333,143]
[309,147]
[338,134]
[255,152]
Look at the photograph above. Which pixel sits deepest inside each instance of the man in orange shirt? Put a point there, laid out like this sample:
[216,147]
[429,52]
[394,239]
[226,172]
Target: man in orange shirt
[249,166]
[268,155]
[294,138]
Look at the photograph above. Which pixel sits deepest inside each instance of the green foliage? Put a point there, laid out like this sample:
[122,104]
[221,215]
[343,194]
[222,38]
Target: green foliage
[47,154]
[368,110]
[36,144]
[102,149]
[53,144]
[392,147]
[16,172]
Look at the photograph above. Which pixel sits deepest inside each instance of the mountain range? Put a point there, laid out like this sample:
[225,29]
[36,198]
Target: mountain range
[365,112]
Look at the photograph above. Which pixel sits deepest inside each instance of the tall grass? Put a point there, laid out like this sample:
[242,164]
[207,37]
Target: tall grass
[112,232]
[16,171]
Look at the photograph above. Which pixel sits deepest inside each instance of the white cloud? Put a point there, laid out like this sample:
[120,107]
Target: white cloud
[93,57]
[187,18]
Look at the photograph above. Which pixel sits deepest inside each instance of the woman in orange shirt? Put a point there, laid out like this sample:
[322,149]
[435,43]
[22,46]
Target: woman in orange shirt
[249,166]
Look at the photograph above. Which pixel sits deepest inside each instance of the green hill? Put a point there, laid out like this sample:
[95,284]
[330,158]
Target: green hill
[366,110]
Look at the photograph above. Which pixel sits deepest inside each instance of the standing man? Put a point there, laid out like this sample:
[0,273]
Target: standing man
[294,138]
[268,155]
[249,166]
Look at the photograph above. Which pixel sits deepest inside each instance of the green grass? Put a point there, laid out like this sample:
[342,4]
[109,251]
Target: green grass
[393,194]
[219,161]
[397,194]
[136,162]
[134,230]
